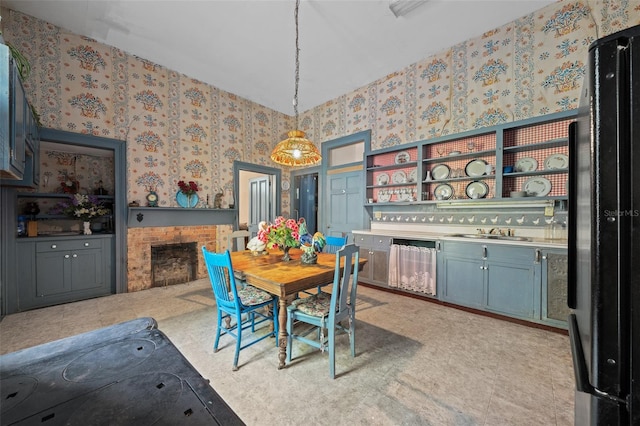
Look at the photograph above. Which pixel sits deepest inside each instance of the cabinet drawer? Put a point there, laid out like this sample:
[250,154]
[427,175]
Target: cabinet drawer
[363,240]
[381,242]
[49,246]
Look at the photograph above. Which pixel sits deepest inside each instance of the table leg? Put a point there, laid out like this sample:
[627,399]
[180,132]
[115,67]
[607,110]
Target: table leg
[282,332]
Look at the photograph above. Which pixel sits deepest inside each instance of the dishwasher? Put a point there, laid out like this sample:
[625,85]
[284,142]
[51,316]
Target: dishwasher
[412,265]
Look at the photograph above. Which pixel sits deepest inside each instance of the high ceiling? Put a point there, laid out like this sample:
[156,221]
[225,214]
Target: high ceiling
[247,47]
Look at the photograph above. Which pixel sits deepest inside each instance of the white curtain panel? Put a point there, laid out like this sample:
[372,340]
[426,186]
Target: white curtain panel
[413,268]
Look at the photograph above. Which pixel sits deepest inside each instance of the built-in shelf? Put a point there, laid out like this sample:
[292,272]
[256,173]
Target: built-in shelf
[140,217]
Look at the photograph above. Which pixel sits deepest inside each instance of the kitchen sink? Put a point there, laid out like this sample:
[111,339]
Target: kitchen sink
[490,237]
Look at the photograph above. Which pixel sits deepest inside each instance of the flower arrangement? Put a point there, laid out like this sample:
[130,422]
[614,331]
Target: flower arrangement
[81,206]
[188,189]
[282,233]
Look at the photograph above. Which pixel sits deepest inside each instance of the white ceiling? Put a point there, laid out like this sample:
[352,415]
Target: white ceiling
[247,47]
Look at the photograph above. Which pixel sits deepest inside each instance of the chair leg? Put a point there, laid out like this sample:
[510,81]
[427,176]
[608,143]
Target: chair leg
[238,342]
[332,352]
[352,335]
[289,338]
[218,325]
[276,322]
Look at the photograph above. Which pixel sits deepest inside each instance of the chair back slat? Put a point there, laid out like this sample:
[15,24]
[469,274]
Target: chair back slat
[222,279]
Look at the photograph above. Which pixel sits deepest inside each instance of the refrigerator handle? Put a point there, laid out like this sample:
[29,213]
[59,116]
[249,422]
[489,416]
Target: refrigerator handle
[571,217]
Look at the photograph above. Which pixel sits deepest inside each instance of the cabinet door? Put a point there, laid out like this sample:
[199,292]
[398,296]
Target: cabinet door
[511,289]
[87,269]
[53,273]
[554,288]
[18,122]
[380,267]
[366,273]
[463,281]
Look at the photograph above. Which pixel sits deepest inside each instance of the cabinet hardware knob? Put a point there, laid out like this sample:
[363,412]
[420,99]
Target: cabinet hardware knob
[86,244]
[66,256]
[75,255]
[53,246]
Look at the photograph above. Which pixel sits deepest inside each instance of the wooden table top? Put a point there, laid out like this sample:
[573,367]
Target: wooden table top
[268,272]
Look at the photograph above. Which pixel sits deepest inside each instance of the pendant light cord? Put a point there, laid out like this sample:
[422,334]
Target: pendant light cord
[297,75]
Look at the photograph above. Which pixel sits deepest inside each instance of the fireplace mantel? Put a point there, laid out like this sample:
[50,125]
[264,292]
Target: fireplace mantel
[141,217]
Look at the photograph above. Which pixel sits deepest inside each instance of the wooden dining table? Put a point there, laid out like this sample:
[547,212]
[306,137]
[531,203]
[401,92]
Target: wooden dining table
[270,273]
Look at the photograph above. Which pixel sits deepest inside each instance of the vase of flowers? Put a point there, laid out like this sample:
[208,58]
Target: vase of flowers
[81,206]
[282,234]
[189,190]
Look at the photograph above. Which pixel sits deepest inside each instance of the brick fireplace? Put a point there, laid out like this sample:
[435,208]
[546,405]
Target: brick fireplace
[140,241]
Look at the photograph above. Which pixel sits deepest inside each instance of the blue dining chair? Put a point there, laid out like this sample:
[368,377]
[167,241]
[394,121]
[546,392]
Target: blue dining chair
[243,304]
[327,311]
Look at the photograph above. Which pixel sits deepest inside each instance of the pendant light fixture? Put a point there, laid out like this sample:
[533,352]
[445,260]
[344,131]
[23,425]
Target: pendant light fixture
[296,150]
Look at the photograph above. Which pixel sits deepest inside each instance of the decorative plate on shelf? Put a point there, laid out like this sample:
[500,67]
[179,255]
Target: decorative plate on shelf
[440,171]
[413,175]
[443,192]
[526,164]
[556,161]
[384,196]
[403,157]
[537,187]
[475,168]
[399,177]
[383,179]
[477,189]
[403,196]
[184,201]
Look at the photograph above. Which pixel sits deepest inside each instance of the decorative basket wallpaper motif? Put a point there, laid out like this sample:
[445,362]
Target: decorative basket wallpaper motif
[177,128]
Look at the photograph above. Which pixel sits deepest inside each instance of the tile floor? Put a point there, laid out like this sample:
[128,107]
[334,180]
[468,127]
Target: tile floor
[417,363]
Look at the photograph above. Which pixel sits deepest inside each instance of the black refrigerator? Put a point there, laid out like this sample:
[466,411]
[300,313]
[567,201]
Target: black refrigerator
[604,237]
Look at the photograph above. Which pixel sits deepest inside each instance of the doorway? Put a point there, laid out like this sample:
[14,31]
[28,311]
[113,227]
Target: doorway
[304,196]
[258,196]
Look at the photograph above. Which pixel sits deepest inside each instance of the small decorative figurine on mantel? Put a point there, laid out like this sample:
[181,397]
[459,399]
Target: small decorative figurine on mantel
[217,200]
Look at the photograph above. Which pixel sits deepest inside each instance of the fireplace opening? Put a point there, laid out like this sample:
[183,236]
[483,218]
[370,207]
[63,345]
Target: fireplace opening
[173,264]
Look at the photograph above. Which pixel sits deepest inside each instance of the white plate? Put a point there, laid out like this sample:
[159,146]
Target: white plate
[413,175]
[383,179]
[403,157]
[537,187]
[476,168]
[403,196]
[526,164]
[440,171]
[556,161]
[477,189]
[445,191]
[384,196]
[399,177]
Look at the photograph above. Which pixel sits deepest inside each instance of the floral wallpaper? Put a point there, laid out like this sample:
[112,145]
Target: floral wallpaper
[177,128]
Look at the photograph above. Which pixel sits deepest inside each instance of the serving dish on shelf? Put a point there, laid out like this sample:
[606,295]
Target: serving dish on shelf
[476,168]
[556,161]
[477,189]
[413,176]
[526,164]
[537,187]
[443,192]
[455,152]
[440,171]
[399,177]
[402,157]
[384,196]
[382,179]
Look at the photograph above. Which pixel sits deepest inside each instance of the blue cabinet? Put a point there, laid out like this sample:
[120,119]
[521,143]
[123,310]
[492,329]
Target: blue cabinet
[374,248]
[19,140]
[554,287]
[497,278]
[63,270]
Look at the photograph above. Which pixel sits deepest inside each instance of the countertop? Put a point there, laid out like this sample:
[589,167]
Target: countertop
[536,242]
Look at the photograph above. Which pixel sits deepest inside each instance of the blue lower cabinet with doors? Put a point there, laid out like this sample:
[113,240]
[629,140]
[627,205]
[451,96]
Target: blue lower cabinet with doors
[374,248]
[498,278]
[61,270]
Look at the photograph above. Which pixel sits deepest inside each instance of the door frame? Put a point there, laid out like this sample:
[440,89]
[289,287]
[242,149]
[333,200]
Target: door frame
[256,168]
[363,136]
